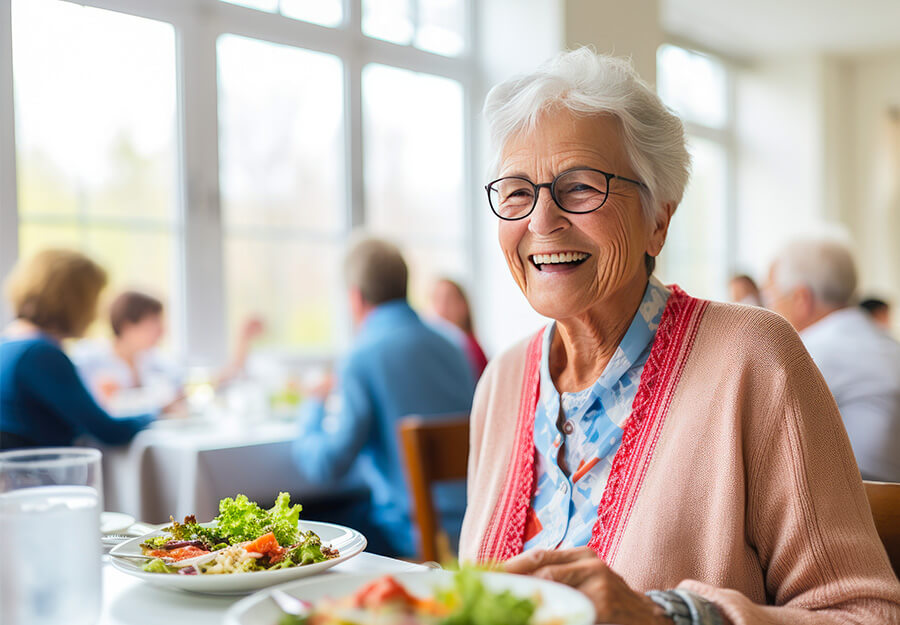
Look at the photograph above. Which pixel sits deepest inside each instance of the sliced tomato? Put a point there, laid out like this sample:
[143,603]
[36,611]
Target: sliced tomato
[264,544]
[383,590]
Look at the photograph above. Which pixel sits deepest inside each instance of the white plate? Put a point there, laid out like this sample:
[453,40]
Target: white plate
[558,602]
[347,541]
[115,522]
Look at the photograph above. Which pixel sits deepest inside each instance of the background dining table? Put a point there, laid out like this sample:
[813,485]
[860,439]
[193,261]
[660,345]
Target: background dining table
[180,467]
[130,601]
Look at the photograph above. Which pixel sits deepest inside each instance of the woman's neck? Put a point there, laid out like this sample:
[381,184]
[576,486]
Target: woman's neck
[22,327]
[583,345]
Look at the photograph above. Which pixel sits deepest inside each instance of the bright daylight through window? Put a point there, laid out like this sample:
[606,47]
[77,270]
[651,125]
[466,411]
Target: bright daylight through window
[696,255]
[96,140]
[113,156]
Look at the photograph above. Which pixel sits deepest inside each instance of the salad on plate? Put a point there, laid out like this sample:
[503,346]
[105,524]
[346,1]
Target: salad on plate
[385,601]
[243,538]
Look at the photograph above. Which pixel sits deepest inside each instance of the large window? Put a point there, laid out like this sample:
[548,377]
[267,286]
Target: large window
[96,140]
[218,153]
[415,194]
[283,202]
[433,25]
[698,254]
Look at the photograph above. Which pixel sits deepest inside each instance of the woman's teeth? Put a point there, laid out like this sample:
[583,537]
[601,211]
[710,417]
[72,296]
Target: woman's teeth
[565,257]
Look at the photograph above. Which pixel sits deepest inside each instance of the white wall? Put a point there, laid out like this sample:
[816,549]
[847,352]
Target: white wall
[630,28]
[819,151]
[873,172]
[780,151]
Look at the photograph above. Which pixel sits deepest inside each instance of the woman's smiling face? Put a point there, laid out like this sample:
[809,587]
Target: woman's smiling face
[613,238]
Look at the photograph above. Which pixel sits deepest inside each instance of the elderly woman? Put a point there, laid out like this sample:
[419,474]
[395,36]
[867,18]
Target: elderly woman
[678,460]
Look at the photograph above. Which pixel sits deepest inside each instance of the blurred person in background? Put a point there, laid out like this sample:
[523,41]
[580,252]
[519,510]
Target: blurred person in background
[43,401]
[811,284]
[450,304]
[879,310]
[130,372]
[742,289]
[397,366]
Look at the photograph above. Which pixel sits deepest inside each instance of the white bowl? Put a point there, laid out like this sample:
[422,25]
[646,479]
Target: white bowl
[347,541]
[558,602]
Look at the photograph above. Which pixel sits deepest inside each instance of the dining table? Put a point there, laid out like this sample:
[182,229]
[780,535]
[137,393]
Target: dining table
[179,467]
[128,600]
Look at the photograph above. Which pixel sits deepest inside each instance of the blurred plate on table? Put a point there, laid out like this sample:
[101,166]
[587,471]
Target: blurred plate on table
[347,541]
[115,522]
[558,604]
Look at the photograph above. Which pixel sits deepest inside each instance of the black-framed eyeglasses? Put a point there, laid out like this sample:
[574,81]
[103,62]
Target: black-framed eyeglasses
[579,190]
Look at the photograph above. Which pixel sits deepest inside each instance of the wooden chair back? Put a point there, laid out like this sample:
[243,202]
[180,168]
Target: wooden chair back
[434,450]
[884,499]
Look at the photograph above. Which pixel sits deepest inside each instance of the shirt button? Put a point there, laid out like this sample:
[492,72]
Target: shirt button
[563,487]
[568,427]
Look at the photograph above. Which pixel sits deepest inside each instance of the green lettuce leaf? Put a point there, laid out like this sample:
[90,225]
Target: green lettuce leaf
[476,605]
[158,566]
[241,519]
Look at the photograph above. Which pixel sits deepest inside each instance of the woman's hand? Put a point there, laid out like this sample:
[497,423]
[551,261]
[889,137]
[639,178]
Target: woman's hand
[581,569]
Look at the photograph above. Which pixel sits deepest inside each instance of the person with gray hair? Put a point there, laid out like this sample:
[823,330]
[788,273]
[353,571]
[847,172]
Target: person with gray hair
[398,366]
[812,283]
[676,460]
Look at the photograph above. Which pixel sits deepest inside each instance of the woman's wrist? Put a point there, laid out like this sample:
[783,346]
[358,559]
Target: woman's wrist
[683,607]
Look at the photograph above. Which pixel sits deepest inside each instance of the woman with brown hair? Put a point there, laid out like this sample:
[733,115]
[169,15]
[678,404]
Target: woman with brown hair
[43,402]
[450,304]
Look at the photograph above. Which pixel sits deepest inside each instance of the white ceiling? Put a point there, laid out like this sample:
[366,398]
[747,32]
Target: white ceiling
[752,28]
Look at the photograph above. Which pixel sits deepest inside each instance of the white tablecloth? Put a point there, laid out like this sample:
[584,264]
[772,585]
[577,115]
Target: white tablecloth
[185,467]
[129,601]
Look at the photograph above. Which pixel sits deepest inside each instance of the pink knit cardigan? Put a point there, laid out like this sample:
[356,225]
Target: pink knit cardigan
[735,478]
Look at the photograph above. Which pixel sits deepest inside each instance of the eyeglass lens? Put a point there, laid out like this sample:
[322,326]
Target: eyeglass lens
[577,191]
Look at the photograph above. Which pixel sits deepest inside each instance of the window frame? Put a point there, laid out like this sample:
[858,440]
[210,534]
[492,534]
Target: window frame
[201,320]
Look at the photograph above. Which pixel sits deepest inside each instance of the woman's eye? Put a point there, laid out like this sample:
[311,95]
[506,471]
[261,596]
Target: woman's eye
[580,188]
[521,193]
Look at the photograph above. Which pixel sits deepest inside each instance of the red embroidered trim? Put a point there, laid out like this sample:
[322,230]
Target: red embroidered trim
[504,537]
[505,534]
[693,314]
[658,380]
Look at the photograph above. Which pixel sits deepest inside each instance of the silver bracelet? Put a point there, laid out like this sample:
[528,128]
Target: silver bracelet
[686,608]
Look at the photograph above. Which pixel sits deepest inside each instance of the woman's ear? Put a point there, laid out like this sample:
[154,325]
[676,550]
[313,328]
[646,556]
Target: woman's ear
[660,229]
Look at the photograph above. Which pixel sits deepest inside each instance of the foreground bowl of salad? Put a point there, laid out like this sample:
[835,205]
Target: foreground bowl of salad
[468,597]
[244,548]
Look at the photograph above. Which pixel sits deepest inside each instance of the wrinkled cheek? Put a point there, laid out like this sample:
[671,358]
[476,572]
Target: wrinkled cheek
[516,269]
[618,257]
[509,240]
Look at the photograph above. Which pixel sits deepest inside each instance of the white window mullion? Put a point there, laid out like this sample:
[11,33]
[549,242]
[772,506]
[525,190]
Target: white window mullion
[9,214]
[731,147]
[202,276]
[474,97]
[353,149]
[353,124]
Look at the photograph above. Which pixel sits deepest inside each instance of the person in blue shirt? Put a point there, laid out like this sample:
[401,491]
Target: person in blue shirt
[398,366]
[43,401]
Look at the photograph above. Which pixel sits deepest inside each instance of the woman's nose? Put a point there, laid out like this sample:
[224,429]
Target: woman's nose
[547,217]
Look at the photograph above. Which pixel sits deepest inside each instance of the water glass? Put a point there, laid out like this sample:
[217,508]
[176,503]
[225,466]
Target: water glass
[50,502]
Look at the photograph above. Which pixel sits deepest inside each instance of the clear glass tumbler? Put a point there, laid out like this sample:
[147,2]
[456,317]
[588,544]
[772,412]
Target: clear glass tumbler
[50,502]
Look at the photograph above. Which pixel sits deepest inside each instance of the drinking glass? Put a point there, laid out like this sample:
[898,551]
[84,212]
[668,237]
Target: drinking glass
[50,502]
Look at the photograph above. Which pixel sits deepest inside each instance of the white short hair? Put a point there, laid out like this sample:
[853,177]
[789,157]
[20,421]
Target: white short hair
[824,266]
[592,84]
